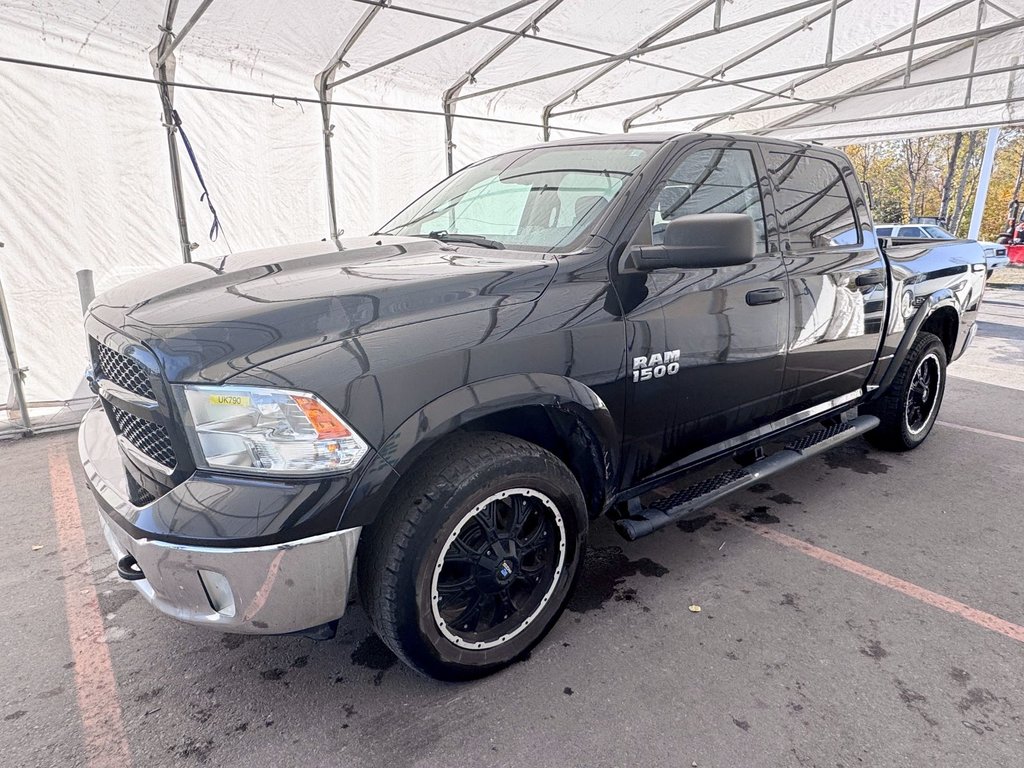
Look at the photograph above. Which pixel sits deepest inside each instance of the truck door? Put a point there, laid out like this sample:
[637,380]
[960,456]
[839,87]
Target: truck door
[706,347]
[836,276]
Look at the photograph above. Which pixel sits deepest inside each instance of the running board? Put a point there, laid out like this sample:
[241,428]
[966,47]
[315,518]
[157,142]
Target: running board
[685,503]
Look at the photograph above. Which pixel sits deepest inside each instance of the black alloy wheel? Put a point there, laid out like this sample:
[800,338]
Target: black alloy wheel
[923,394]
[498,568]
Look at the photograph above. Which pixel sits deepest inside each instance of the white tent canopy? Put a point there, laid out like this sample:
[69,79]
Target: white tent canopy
[413,88]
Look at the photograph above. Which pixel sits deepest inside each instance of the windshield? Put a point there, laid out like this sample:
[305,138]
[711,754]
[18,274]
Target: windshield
[938,233]
[537,199]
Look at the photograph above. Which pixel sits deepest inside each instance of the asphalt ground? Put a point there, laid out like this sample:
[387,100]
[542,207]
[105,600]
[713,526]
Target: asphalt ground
[1010,276]
[865,609]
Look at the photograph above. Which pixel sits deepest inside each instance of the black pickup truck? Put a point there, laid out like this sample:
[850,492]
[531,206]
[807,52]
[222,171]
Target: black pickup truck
[437,412]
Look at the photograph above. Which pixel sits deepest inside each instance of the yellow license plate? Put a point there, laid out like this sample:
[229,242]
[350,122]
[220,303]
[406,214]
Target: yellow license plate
[236,400]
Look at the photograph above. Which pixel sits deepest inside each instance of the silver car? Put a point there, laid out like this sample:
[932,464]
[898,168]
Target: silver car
[995,254]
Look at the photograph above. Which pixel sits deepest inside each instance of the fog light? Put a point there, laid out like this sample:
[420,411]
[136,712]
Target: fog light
[218,592]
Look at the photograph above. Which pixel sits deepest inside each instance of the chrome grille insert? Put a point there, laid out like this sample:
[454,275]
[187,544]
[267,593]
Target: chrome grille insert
[151,439]
[125,372]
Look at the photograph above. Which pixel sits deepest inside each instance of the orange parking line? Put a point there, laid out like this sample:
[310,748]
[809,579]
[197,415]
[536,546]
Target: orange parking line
[934,599]
[105,742]
[975,430]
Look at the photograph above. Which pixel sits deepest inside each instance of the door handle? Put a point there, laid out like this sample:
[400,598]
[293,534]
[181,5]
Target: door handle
[870,278]
[765,296]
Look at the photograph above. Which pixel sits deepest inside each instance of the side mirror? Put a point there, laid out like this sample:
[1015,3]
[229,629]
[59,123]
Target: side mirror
[701,241]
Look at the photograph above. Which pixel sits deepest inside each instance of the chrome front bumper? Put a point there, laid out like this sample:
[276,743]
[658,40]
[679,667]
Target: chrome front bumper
[257,590]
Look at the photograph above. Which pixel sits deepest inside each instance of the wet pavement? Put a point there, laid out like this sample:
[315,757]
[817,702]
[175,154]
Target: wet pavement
[842,623]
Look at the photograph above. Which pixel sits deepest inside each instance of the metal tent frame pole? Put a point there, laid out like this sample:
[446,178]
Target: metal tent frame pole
[163,60]
[177,38]
[984,177]
[974,51]
[986,32]
[328,134]
[447,99]
[17,372]
[868,88]
[574,90]
[325,82]
[914,26]
[483,21]
[897,115]
[875,44]
[745,55]
[714,117]
[865,89]
[929,131]
[633,55]
[829,49]
[320,82]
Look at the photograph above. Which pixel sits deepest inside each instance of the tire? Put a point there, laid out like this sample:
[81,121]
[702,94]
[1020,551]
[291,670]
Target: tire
[908,408]
[451,536]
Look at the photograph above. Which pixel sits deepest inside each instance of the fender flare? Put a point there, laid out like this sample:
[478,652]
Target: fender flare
[941,298]
[459,407]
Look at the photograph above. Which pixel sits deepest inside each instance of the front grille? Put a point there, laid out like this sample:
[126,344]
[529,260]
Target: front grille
[125,372]
[152,439]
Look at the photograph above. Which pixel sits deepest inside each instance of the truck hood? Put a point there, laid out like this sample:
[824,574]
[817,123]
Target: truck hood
[207,321]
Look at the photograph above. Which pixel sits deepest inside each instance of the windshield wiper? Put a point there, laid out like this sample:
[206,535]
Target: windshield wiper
[446,237]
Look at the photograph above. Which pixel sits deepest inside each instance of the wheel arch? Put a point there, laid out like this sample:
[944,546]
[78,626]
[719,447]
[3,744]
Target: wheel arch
[939,311]
[944,322]
[559,414]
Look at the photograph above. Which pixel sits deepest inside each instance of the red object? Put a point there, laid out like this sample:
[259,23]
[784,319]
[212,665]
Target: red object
[1016,254]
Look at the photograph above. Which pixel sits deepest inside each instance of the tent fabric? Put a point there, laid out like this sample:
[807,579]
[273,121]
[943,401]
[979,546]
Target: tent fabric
[83,159]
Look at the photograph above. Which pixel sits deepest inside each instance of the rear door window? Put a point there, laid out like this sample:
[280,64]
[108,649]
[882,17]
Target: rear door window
[812,202]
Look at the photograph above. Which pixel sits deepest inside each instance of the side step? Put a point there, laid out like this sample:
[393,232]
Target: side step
[685,503]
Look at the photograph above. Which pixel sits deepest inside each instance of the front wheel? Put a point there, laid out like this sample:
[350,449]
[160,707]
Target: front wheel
[477,557]
[908,408]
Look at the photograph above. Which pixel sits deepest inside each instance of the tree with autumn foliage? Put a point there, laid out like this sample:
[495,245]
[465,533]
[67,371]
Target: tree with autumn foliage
[938,176]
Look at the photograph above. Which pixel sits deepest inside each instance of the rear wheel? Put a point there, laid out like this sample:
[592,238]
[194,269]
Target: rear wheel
[477,557]
[908,409]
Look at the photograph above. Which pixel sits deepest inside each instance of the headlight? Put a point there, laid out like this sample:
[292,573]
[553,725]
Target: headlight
[264,430]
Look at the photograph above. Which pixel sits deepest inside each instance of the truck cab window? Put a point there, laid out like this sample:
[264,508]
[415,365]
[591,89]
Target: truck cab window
[491,206]
[710,181]
[541,199]
[812,202]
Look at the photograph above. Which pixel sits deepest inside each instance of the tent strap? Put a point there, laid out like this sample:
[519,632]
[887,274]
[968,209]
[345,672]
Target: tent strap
[215,227]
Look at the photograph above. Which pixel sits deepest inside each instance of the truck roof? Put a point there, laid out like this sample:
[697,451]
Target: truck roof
[660,137]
